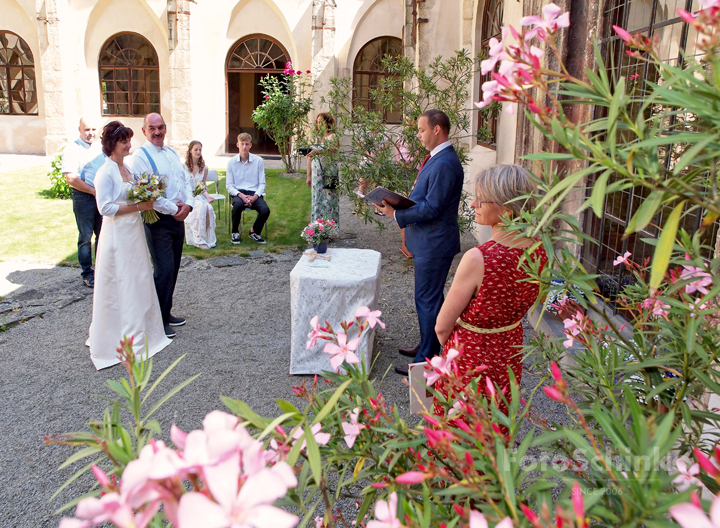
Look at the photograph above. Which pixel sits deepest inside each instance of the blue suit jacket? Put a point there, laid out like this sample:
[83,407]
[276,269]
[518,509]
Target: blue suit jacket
[431,225]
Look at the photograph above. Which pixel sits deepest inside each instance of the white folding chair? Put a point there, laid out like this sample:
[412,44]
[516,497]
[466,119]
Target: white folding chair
[212,177]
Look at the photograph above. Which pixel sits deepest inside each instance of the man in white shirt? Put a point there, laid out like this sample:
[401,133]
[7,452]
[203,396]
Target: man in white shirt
[76,155]
[245,182]
[166,236]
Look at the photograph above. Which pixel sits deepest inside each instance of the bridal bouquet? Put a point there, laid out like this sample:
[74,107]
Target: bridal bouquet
[200,187]
[319,230]
[144,188]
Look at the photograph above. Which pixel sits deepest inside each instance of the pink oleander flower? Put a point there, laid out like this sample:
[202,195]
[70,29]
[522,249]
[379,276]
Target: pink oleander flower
[622,260]
[697,306]
[343,351]
[386,514]
[320,438]
[316,332]
[111,507]
[551,21]
[708,465]
[627,37]
[572,325]
[478,520]
[411,477]
[319,521]
[702,279]
[442,366]
[686,476]
[235,506]
[656,306]
[691,516]
[556,372]
[578,504]
[496,53]
[372,316]
[352,428]
[553,393]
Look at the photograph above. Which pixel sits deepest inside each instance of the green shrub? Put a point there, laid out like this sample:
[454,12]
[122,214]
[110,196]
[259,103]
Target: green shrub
[59,187]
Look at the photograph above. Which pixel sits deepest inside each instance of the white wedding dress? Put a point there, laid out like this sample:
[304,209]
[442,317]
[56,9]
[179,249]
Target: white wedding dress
[197,230]
[124,299]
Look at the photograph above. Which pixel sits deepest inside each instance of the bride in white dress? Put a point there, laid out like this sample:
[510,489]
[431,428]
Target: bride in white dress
[200,223]
[124,299]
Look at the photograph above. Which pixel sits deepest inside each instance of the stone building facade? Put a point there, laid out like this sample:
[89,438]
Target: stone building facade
[188,60]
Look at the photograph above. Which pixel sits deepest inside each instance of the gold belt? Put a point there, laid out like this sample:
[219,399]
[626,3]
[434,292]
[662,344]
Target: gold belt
[477,330]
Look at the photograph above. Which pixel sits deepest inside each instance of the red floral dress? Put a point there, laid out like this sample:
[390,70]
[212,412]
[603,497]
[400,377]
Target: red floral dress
[502,301]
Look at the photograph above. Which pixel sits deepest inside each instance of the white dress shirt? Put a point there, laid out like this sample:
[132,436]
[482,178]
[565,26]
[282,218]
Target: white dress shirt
[77,154]
[246,175]
[168,164]
[441,146]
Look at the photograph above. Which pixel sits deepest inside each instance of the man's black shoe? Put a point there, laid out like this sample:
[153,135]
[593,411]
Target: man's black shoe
[90,283]
[169,332]
[402,370]
[257,238]
[409,352]
[176,321]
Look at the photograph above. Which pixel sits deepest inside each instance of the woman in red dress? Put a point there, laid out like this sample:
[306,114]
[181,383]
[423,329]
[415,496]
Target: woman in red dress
[487,300]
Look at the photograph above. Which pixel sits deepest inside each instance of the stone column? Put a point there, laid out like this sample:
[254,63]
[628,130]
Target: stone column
[180,74]
[323,48]
[50,66]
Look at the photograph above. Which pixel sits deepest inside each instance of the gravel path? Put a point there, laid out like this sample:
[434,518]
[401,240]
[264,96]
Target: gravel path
[239,344]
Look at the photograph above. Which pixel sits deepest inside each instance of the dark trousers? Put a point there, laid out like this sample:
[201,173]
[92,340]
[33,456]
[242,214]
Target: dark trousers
[165,239]
[89,221]
[430,277]
[263,212]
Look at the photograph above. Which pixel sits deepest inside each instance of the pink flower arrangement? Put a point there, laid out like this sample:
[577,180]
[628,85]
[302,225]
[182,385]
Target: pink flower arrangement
[232,483]
[319,230]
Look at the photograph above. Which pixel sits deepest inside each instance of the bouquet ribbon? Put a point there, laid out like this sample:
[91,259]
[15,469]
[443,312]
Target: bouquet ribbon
[312,255]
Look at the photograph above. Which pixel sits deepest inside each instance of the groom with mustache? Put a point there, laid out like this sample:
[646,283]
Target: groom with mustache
[166,236]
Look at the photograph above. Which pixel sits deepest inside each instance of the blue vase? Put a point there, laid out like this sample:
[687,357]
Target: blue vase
[321,247]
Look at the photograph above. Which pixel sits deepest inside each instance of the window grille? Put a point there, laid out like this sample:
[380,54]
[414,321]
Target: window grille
[368,70]
[492,21]
[129,76]
[258,53]
[18,90]
[653,19]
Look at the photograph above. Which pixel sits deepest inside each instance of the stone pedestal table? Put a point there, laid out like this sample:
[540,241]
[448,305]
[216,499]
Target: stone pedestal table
[333,290]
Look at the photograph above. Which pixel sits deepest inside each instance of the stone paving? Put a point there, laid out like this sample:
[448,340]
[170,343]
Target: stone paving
[237,337]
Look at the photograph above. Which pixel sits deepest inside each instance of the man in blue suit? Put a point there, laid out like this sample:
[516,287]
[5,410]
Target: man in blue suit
[431,227]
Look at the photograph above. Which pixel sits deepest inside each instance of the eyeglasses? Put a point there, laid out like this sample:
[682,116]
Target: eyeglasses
[482,202]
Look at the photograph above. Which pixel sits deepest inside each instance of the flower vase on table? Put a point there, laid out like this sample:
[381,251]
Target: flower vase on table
[321,247]
[318,232]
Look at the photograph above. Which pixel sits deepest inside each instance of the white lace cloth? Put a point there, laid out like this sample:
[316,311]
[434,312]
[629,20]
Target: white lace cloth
[333,291]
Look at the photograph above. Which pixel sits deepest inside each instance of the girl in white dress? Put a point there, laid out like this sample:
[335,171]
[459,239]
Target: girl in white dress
[200,223]
[124,299]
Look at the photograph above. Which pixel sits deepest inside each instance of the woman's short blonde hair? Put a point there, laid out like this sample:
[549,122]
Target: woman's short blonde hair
[502,184]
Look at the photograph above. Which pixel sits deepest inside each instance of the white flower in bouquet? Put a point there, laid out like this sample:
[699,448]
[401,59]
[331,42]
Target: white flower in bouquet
[147,187]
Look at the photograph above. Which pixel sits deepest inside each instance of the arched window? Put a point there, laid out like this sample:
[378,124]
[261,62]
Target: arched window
[491,21]
[257,53]
[18,92]
[368,70]
[129,76]
[247,62]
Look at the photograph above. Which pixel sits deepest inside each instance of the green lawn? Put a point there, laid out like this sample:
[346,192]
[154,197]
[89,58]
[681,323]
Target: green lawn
[43,230]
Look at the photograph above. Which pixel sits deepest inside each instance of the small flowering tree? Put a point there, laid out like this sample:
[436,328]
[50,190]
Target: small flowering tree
[283,115]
